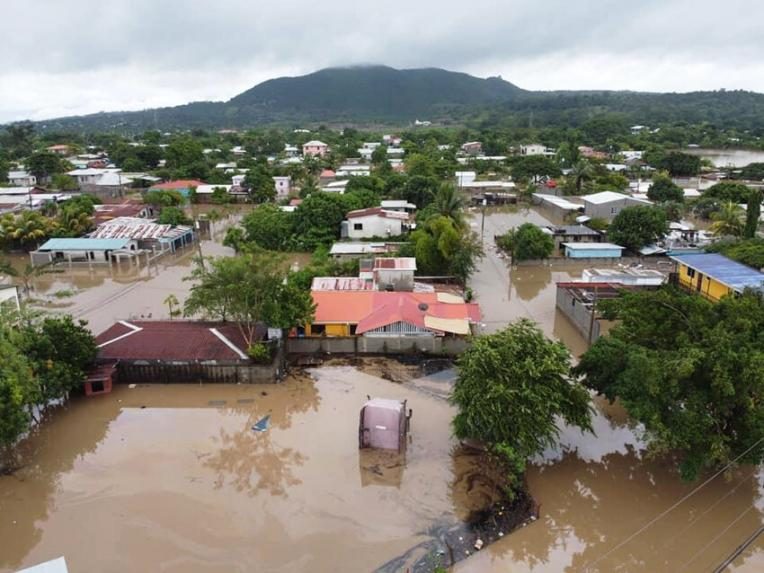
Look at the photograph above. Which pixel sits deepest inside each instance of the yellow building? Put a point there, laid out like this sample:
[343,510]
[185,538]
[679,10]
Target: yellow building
[714,276]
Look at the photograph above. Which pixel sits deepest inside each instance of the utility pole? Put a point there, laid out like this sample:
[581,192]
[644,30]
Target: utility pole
[482,223]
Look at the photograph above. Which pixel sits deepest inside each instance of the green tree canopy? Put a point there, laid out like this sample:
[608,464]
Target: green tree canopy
[511,388]
[663,189]
[691,371]
[753,212]
[526,242]
[635,227]
[443,248]
[44,164]
[728,191]
[174,216]
[269,227]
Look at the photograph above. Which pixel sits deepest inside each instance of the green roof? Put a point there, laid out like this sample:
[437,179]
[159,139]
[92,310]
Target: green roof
[84,244]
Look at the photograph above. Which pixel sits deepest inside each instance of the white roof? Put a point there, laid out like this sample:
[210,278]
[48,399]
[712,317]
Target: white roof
[209,189]
[690,193]
[592,246]
[607,196]
[17,174]
[558,202]
[16,190]
[396,203]
[342,183]
[91,171]
[52,566]
[489,184]
[113,178]
[385,404]
[357,248]
[314,143]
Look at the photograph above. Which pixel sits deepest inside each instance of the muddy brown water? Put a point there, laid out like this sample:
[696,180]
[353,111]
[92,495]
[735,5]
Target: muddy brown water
[172,478]
[184,485]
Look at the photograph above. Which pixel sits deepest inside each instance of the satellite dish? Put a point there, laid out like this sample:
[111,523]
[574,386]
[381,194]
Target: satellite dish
[423,306]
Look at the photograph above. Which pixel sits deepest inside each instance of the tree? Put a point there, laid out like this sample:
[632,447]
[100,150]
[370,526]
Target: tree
[379,156]
[269,227]
[511,388]
[250,290]
[172,302]
[260,185]
[526,242]
[635,227]
[184,153]
[449,203]
[690,371]
[318,218]
[748,252]
[753,213]
[26,229]
[728,191]
[442,248]
[728,220]
[15,381]
[581,171]
[679,164]
[420,190]
[164,198]
[44,164]
[663,189]
[173,216]
[534,166]
[64,182]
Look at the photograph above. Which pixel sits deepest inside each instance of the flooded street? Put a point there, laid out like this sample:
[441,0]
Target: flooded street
[172,478]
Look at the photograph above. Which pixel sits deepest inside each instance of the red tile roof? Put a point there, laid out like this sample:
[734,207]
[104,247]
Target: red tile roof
[179,184]
[373,309]
[170,340]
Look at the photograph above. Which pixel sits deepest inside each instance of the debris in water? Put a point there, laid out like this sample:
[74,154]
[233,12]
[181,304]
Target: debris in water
[479,544]
[263,393]
[262,424]
[131,386]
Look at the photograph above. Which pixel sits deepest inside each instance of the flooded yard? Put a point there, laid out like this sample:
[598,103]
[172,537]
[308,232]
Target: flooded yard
[172,478]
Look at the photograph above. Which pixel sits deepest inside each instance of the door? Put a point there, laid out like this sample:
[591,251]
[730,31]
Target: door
[699,283]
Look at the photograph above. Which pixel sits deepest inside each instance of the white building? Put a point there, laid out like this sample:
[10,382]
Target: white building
[465,178]
[9,296]
[90,176]
[283,186]
[607,204]
[21,178]
[535,149]
[374,222]
[397,205]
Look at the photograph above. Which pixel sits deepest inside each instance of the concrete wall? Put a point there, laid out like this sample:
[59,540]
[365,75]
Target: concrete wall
[579,314]
[374,226]
[378,345]
[609,210]
[142,372]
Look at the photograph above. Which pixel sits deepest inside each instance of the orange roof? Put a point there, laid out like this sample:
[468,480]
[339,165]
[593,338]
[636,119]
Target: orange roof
[179,184]
[379,308]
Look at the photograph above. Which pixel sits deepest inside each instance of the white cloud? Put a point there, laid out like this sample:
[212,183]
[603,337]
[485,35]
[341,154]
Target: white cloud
[83,56]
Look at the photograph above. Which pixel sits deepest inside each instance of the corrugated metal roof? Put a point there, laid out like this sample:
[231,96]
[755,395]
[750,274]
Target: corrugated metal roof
[84,244]
[731,273]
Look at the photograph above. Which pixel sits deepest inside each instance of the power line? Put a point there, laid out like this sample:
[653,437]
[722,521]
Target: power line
[717,537]
[671,508]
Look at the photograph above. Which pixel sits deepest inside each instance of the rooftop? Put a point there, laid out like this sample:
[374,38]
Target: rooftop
[592,246]
[607,196]
[379,212]
[137,228]
[84,244]
[728,272]
[570,230]
[172,340]
[397,263]
[359,248]
[179,184]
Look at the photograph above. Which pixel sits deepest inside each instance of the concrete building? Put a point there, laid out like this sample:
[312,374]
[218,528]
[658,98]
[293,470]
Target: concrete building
[21,179]
[592,250]
[624,276]
[374,222]
[472,148]
[558,207]
[397,205]
[283,185]
[607,204]
[315,148]
[571,234]
[578,302]
[535,149]
[355,250]
[83,250]
[394,273]
[9,297]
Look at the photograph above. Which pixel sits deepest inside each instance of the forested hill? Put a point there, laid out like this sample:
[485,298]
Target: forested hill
[367,95]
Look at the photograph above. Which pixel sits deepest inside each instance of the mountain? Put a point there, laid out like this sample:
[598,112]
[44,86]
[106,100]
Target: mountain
[367,95]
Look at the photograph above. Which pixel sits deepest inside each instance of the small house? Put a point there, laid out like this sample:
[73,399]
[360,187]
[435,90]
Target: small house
[592,250]
[354,250]
[607,204]
[60,149]
[472,148]
[100,379]
[374,222]
[182,186]
[571,234]
[21,179]
[535,149]
[283,186]
[86,250]
[713,275]
[394,273]
[315,148]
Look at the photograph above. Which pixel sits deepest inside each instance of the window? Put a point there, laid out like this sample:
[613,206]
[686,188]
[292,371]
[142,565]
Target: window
[358,226]
[613,210]
[690,272]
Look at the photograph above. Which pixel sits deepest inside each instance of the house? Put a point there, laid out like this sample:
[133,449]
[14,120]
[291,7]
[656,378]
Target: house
[87,250]
[535,149]
[356,250]
[465,177]
[559,207]
[21,201]
[591,153]
[60,149]
[182,186]
[353,170]
[487,186]
[110,184]
[283,185]
[326,176]
[335,187]
[571,234]
[108,212]
[374,222]
[624,276]
[235,192]
[395,152]
[713,275]
[182,351]
[291,150]
[592,250]
[146,234]
[315,148]
[21,179]
[397,205]
[400,314]
[9,297]
[472,148]
[607,204]
[89,175]
[394,273]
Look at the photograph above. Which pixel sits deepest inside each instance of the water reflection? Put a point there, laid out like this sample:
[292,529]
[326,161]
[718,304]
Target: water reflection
[528,282]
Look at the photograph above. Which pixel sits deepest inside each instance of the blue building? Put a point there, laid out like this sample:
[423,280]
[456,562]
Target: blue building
[592,250]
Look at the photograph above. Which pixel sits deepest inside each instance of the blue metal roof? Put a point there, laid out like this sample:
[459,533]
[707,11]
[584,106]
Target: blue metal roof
[733,274]
[84,244]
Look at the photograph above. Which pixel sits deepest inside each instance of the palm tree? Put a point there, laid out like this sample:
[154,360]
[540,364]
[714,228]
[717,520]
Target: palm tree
[728,220]
[449,203]
[580,172]
[74,223]
[28,227]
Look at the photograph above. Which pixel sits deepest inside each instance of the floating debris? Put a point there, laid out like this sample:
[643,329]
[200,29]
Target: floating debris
[262,424]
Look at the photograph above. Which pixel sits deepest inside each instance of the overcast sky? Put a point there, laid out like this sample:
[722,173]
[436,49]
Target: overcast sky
[68,57]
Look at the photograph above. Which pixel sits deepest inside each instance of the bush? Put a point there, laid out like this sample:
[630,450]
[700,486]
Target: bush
[259,353]
[526,242]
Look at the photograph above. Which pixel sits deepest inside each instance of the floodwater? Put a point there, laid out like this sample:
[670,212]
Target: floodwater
[729,157]
[597,490]
[172,478]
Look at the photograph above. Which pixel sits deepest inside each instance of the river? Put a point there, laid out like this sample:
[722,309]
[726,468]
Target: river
[736,158]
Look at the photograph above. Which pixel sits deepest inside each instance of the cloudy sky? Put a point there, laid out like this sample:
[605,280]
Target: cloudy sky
[67,57]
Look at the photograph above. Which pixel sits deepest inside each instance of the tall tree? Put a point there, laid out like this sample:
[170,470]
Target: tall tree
[753,213]
[728,220]
[512,387]
[635,227]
